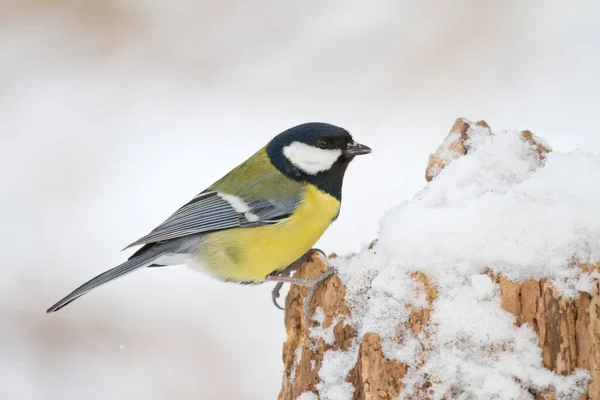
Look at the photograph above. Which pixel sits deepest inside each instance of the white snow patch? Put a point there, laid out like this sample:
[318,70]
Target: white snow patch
[298,354]
[483,286]
[497,208]
[334,369]
[298,358]
[308,396]
[318,332]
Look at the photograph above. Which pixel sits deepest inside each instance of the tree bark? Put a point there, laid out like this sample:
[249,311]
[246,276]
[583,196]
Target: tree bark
[568,330]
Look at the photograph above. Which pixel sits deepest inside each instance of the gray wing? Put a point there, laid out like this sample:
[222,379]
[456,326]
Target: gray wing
[214,211]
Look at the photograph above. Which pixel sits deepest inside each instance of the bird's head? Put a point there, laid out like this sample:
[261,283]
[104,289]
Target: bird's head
[315,152]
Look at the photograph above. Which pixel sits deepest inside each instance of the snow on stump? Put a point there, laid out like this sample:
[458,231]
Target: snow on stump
[484,286]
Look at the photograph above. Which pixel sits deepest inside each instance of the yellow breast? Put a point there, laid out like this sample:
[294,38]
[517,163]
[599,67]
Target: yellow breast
[250,254]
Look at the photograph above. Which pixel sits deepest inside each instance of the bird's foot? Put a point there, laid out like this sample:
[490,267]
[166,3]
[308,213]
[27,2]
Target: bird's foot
[312,289]
[313,284]
[275,293]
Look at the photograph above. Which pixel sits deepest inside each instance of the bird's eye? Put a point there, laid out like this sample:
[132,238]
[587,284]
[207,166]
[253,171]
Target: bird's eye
[322,144]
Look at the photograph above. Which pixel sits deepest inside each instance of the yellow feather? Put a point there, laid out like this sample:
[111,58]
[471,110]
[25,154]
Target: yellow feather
[250,254]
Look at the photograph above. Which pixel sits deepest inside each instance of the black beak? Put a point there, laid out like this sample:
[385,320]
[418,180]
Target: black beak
[357,149]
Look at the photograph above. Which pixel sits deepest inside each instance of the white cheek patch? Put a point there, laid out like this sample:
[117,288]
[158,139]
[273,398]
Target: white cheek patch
[239,205]
[310,159]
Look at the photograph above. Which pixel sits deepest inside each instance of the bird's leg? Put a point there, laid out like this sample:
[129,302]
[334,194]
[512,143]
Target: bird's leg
[313,283]
[288,271]
[275,295]
[311,292]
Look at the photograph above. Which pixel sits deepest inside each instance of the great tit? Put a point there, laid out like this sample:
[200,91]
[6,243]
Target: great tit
[253,223]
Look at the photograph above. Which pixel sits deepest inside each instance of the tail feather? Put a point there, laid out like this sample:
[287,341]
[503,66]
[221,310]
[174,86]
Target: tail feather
[141,261]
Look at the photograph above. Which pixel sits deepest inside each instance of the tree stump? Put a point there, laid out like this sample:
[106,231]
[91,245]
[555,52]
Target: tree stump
[568,328]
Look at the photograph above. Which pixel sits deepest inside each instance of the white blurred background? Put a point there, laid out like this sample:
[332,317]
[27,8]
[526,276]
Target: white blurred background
[113,114]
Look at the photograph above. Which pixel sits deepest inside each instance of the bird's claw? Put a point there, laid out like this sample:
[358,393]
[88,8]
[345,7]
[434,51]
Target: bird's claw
[312,283]
[312,290]
[275,295]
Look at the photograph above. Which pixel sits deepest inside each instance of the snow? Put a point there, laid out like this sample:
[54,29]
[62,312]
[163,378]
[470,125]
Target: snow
[496,208]
[297,359]
[318,332]
[308,396]
[502,209]
[334,369]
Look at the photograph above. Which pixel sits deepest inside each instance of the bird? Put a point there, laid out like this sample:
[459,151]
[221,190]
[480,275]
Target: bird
[259,221]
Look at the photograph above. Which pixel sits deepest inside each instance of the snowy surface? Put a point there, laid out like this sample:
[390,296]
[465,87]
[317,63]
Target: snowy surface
[308,396]
[498,208]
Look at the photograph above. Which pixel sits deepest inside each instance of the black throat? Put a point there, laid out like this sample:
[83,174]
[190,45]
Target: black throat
[329,181]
